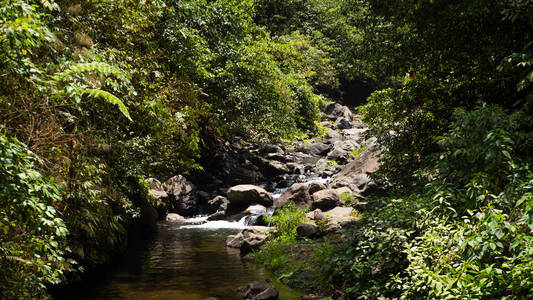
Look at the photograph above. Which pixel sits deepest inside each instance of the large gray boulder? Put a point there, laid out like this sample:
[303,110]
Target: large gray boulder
[297,193]
[342,123]
[318,149]
[255,235]
[355,175]
[182,196]
[325,200]
[219,203]
[334,110]
[245,195]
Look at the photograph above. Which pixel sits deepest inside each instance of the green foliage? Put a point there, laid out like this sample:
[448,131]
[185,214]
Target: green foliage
[33,245]
[286,220]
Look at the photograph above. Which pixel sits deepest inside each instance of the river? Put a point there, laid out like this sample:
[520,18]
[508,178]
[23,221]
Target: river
[182,262]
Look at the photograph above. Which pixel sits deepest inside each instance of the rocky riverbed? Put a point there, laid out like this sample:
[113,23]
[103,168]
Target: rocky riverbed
[328,176]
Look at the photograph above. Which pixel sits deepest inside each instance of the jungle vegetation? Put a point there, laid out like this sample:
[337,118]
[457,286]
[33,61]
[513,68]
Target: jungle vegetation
[96,96]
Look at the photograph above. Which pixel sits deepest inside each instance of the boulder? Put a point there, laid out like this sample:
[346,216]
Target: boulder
[279,157]
[315,186]
[340,156]
[298,193]
[245,195]
[316,215]
[254,236]
[182,194]
[269,148]
[255,209]
[172,217]
[333,134]
[219,203]
[219,215]
[339,212]
[307,229]
[325,199]
[355,174]
[318,149]
[342,123]
[322,164]
[347,145]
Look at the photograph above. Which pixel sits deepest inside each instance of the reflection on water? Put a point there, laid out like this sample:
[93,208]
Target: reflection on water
[181,263]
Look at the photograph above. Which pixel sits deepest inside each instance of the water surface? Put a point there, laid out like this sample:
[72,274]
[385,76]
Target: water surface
[190,263]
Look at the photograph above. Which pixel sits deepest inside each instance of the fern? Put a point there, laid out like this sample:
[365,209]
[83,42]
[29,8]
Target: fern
[97,67]
[108,97]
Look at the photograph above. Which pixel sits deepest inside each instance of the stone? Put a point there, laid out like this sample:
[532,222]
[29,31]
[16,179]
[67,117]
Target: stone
[318,149]
[219,203]
[219,215]
[316,215]
[333,134]
[315,186]
[252,289]
[247,194]
[253,236]
[307,229]
[269,294]
[172,217]
[255,209]
[182,194]
[339,212]
[342,123]
[322,164]
[340,156]
[325,199]
[279,157]
[355,175]
[298,193]
[269,148]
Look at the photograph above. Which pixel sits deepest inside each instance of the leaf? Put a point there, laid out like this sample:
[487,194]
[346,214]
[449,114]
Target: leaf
[110,98]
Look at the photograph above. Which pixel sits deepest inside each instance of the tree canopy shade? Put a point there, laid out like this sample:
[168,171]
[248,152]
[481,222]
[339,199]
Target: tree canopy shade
[89,87]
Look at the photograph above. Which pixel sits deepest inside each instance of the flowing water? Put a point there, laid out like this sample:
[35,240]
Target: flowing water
[182,262]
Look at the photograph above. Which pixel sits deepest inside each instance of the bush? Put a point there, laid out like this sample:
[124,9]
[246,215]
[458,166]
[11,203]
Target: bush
[33,246]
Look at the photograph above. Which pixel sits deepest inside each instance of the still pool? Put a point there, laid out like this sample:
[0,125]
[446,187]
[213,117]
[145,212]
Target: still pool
[180,263]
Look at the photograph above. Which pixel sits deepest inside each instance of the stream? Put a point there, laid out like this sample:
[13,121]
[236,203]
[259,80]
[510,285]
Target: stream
[188,259]
[189,262]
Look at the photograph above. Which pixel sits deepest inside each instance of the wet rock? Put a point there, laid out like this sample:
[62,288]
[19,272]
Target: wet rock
[325,199]
[219,215]
[298,193]
[182,194]
[326,124]
[258,291]
[247,194]
[255,209]
[219,203]
[315,186]
[253,236]
[269,294]
[307,229]
[342,123]
[172,217]
[212,298]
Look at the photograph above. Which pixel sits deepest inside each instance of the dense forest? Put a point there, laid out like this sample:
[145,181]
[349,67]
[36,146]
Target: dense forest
[98,95]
